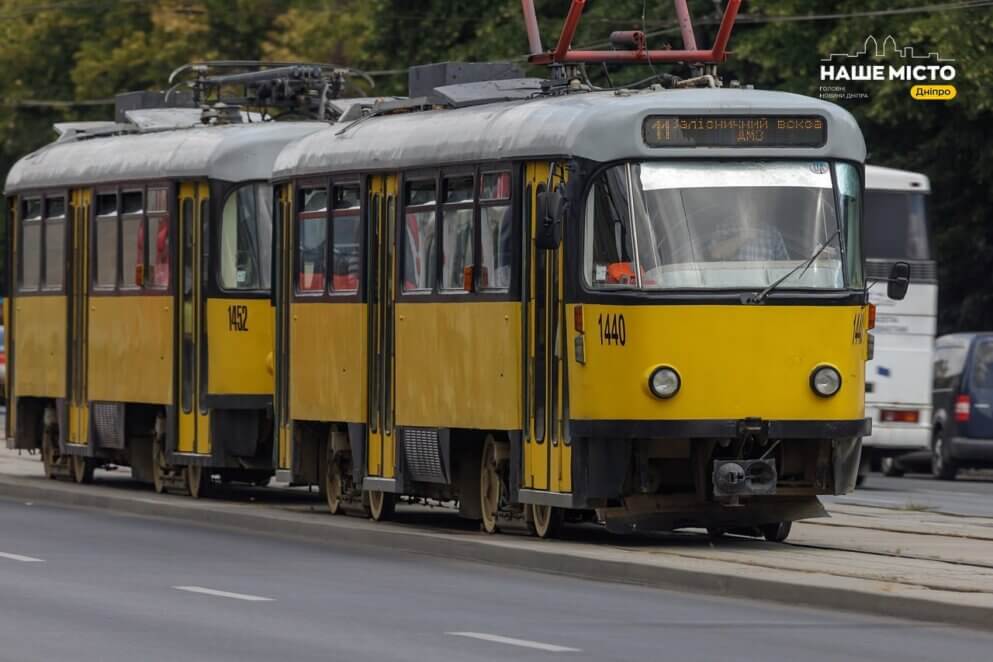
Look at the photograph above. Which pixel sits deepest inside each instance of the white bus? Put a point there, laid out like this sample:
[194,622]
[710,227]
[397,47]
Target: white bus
[898,379]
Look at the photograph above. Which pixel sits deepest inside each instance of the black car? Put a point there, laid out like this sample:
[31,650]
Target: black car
[963,403]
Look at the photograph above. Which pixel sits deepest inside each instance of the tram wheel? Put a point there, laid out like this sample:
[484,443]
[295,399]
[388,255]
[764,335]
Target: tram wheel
[333,486]
[545,521]
[777,532]
[159,467]
[50,457]
[82,469]
[197,480]
[489,485]
[382,505]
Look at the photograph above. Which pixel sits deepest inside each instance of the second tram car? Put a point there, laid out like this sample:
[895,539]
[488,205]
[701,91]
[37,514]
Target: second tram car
[648,305]
[140,328]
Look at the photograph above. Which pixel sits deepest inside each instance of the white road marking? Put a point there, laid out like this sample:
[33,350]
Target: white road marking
[551,648]
[223,594]
[18,557]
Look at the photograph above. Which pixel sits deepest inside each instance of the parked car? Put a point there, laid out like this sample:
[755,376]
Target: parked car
[962,396]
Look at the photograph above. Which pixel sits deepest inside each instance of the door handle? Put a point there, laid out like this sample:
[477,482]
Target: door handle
[982,405]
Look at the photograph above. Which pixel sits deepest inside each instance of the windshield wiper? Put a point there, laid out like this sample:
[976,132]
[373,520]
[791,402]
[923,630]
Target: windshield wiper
[761,296]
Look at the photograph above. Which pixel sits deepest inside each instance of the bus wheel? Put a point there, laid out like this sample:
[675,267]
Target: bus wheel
[159,467]
[777,532]
[333,486]
[82,469]
[489,485]
[382,505]
[197,480]
[545,521]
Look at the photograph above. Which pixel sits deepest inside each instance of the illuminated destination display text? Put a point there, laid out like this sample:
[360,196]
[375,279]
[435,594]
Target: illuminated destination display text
[734,131]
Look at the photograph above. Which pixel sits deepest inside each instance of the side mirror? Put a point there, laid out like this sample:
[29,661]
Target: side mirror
[899,281]
[551,213]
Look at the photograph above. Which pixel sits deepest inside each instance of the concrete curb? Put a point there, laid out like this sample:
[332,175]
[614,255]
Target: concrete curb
[543,557]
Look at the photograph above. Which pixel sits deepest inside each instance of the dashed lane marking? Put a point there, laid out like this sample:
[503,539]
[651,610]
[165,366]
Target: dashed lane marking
[524,643]
[223,594]
[22,559]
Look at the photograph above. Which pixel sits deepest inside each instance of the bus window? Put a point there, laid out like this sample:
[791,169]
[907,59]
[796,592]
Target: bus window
[496,231]
[457,238]
[55,224]
[419,252]
[346,247]
[30,262]
[246,239]
[896,225]
[312,240]
[106,241]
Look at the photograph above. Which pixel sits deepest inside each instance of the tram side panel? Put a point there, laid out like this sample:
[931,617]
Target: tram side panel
[36,331]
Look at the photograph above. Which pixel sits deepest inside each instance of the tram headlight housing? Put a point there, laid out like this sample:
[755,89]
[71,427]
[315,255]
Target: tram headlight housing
[825,380]
[664,382]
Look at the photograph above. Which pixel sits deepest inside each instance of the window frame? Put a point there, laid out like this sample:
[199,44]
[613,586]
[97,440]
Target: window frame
[43,285]
[299,217]
[142,217]
[119,189]
[19,226]
[212,265]
[514,201]
[330,183]
[440,227]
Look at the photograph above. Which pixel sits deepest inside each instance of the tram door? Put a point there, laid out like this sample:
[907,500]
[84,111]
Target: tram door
[547,453]
[78,288]
[193,435]
[381,214]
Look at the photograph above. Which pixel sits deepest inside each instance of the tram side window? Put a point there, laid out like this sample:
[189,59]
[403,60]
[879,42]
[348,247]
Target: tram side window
[132,240]
[610,242]
[30,262]
[55,230]
[312,240]
[157,244]
[106,241]
[457,239]
[496,230]
[850,207]
[246,239]
[419,246]
[345,239]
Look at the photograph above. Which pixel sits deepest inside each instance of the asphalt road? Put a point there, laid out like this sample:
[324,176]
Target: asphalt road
[88,585]
[970,494]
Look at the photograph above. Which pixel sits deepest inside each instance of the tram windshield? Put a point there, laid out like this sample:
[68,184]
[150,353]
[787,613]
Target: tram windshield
[722,225]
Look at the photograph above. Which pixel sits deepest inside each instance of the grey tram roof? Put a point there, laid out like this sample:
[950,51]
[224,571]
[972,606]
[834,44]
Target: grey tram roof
[236,152]
[599,125]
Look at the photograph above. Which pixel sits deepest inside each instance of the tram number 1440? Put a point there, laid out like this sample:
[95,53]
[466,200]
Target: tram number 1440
[613,331]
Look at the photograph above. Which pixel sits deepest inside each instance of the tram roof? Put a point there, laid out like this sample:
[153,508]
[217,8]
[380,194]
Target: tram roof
[603,126]
[235,152]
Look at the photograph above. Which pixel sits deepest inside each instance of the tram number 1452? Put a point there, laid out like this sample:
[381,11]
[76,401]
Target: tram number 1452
[613,331]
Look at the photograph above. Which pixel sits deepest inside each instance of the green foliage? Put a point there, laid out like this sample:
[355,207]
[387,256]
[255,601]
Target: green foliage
[90,49]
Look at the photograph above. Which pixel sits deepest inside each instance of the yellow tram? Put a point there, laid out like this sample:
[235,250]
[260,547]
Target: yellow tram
[140,327]
[647,305]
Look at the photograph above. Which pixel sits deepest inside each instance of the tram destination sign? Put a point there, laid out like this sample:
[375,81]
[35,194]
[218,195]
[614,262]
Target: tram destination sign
[734,131]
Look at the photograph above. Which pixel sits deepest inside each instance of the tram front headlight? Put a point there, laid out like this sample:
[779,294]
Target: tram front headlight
[825,380]
[664,382]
